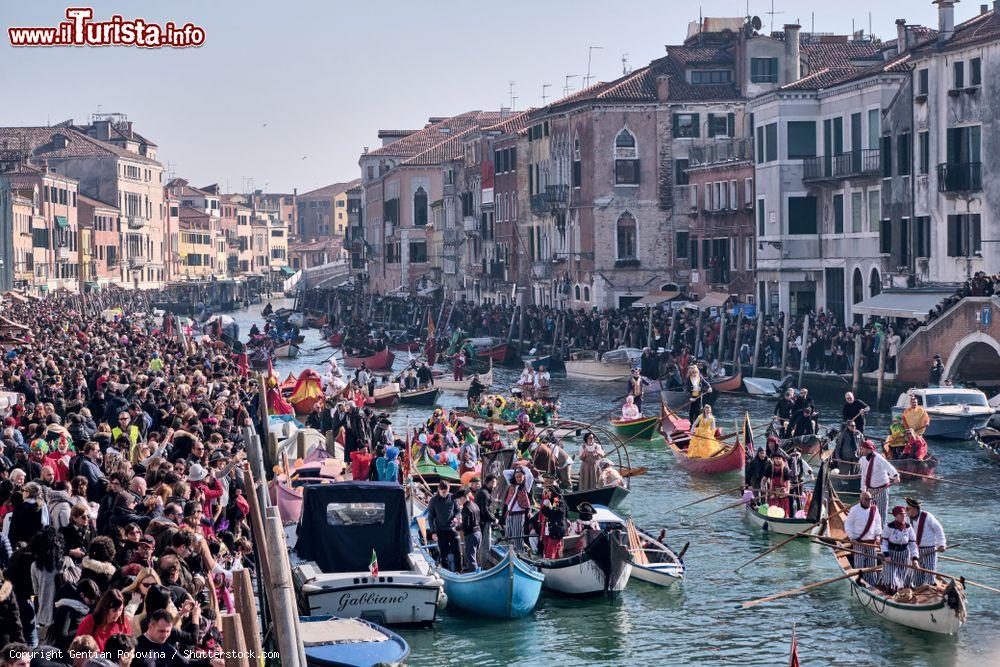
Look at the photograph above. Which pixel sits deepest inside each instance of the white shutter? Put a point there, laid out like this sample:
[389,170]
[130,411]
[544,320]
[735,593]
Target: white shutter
[733,204]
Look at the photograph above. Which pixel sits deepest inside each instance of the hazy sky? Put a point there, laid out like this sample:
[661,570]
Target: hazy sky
[324,76]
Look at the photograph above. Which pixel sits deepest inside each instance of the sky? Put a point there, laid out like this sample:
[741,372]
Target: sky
[288,93]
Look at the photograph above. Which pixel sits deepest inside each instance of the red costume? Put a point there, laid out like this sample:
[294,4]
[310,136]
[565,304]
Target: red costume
[780,481]
[915,448]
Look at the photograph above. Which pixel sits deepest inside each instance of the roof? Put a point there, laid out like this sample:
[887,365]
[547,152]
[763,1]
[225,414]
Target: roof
[980,28]
[38,142]
[192,218]
[450,149]
[329,191]
[95,203]
[512,123]
[828,77]
[908,303]
[840,54]
[437,133]
[310,246]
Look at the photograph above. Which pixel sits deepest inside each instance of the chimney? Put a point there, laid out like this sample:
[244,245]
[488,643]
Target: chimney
[901,44]
[946,19]
[663,86]
[793,66]
[983,9]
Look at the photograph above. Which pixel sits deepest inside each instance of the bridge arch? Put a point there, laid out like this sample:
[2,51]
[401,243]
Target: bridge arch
[975,358]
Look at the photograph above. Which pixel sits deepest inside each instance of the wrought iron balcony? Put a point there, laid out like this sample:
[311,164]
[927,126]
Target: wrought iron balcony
[554,196]
[960,176]
[726,150]
[860,163]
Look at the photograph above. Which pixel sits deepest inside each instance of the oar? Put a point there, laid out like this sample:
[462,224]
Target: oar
[633,472]
[968,562]
[714,495]
[321,347]
[806,533]
[933,477]
[727,507]
[808,587]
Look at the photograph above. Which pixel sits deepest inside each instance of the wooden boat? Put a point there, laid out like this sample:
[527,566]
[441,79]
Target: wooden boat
[940,608]
[412,346]
[728,459]
[587,366]
[602,567]
[635,429]
[286,351]
[846,483]
[989,441]
[652,560]
[729,383]
[335,339]
[352,642]
[790,525]
[445,383]
[433,472]
[529,392]
[508,589]
[609,496]
[924,467]
[380,361]
[497,353]
[316,322]
[288,384]
[424,396]
[552,364]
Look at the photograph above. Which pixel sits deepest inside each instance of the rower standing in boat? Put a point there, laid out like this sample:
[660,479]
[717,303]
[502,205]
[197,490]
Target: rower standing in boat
[863,526]
[410,381]
[636,385]
[527,379]
[483,497]
[476,389]
[899,546]
[783,410]
[560,463]
[855,410]
[805,424]
[424,375]
[458,366]
[472,535]
[801,472]
[542,382]
[443,517]
[757,469]
[698,389]
[517,503]
[930,540]
[802,403]
[848,449]
[877,475]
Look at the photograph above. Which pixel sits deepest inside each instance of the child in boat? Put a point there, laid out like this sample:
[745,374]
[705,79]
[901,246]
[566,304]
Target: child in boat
[610,476]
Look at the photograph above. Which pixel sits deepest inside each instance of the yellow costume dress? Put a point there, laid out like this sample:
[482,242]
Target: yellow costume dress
[703,443]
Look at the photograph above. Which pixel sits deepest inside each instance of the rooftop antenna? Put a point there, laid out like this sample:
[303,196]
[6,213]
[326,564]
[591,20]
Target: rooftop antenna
[772,13]
[625,67]
[513,102]
[590,55]
[869,26]
[510,93]
[567,87]
[544,97]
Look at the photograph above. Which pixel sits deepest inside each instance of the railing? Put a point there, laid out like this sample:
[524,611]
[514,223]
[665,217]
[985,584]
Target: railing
[543,202]
[960,176]
[866,162]
[727,150]
[541,270]
[135,222]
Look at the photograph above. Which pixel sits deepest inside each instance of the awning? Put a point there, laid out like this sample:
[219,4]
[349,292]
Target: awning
[62,221]
[426,291]
[903,303]
[655,298]
[398,291]
[288,270]
[711,300]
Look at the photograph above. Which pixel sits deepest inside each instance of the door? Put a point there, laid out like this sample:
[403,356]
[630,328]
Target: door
[835,293]
[855,144]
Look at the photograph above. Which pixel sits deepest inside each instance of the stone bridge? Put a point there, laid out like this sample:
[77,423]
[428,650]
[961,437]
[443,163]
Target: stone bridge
[967,336]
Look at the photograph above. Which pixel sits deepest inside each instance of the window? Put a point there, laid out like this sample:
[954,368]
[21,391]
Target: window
[885,237]
[626,233]
[886,157]
[760,217]
[694,253]
[963,144]
[693,196]
[771,139]
[923,139]
[874,127]
[418,251]
[959,74]
[922,85]
[420,207]
[626,159]
[964,238]
[763,70]
[586,293]
[733,204]
[802,215]
[975,72]
[857,211]
[903,154]
[680,172]
[838,214]
[721,126]
[681,245]
[747,192]
[801,139]
[760,145]
[874,209]
[687,125]
[711,76]
[577,173]
[922,234]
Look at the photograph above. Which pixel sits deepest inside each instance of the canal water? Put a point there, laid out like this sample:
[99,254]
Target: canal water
[696,621]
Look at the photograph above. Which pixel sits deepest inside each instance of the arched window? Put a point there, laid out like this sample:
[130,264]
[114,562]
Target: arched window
[420,208]
[626,159]
[586,293]
[875,283]
[576,293]
[626,236]
[858,291]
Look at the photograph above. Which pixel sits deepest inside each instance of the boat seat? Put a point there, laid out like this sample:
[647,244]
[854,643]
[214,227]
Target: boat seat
[338,631]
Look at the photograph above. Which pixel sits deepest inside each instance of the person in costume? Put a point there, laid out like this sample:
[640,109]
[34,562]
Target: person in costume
[930,540]
[863,526]
[703,443]
[915,447]
[877,475]
[899,547]
[517,503]
[553,517]
[589,455]
[630,412]
[698,388]
[779,485]
[610,476]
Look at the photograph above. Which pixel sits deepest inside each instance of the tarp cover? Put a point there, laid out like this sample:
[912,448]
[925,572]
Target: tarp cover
[908,303]
[348,548]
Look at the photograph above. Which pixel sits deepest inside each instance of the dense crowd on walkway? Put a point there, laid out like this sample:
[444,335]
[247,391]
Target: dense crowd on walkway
[123,513]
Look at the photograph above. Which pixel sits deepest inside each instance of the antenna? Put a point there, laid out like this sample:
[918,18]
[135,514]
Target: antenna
[590,55]
[510,93]
[625,67]
[544,97]
[772,14]
[567,87]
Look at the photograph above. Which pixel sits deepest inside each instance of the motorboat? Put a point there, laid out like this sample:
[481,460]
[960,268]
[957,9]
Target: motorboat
[353,557]
[763,387]
[613,366]
[352,642]
[956,413]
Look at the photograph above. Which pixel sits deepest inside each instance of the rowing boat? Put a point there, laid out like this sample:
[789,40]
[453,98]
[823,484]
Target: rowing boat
[811,524]
[380,361]
[508,589]
[424,396]
[635,429]
[609,496]
[603,566]
[729,458]
[652,560]
[432,472]
[462,386]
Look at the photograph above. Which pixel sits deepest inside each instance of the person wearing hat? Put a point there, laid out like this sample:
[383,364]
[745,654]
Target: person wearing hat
[778,484]
[585,527]
[899,547]
[930,540]
[483,497]
[609,476]
[937,372]
[877,475]
[517,502]
[863,526]
[636,385]
[542,381]
[801,472]
[590,454]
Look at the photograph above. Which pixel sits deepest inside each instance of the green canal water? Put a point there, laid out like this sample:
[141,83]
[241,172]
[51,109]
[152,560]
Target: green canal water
[696,621]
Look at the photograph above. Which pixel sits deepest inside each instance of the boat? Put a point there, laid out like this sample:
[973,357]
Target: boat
[846,483]
[609,496]
[531,393]
[410,346]
[423,396]
[288,384]
[314,322]
[307,392]
[807,525]
[652,560]
[763,387]
[728,459]
[286,351]
[729,383]
[342,527]
[553,364]
[614,366]
[940,608]
[989,441]
[432,472]
[386,395]
[924,467]
[507,589]
[445,383]
[380,361]
[474,421]
[602,567]
[635,429]
[335,339]
[286,487]
[350,642]
[956,413]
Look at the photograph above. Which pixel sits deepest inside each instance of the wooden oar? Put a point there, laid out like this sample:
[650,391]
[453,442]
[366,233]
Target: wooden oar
[806,533]
[969,562]
[633,472]
[321,347]
[727,507]
[932,477]
[714,495]
[809,587]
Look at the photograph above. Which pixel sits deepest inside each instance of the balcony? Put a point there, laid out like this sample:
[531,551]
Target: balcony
[541,270]
[862,163]
[960,176]
[546,202]
[62,254]
[135,222]
[470,223]
[136,262]
[730,150]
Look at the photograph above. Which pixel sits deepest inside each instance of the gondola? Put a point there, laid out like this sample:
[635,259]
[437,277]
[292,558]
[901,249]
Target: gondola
[380,361]
[507,589]
[940,608]
[609,496]
[642,428]
[423,396]
[652,560]
[335,339]
[553,364]
[531,393]
[730,458]
[923,467]
[602,567]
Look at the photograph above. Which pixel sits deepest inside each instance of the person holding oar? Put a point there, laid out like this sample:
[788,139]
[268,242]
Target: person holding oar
[930,540]
[863,526]
[698,389]
[899,547]
[877,475]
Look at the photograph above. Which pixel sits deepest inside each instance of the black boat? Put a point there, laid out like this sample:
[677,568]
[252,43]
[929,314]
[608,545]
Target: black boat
[609,496]
[423,396]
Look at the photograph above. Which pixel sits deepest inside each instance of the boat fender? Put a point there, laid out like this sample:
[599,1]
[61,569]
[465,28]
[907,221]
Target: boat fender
[442,600]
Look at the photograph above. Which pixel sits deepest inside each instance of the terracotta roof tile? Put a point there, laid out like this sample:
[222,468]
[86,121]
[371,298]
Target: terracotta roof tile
[328,191]
[839,54]
[38,142]
[436,133]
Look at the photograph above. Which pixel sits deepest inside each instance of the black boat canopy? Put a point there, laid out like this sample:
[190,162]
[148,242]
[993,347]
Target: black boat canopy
[343,523]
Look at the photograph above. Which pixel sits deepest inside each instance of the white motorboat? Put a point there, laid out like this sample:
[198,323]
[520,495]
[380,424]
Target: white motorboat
[614,366]
[956,413]
[354,558]
[765,387]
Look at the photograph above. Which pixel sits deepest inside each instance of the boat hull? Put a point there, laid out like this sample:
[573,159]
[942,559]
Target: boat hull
[658,574]
[609,496]
[426,396]
[381,361]
[382,603]
[580,575]
[510,589]
[393,650]
[462,386]
[598,371]
[730,459]
[552,364]
[764,387]
[951,426]
[636,429]
[936,617]
[787,527]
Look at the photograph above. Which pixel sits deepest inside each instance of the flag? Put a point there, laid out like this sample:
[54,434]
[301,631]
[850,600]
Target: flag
[748,436]
[793,657]
[373,568]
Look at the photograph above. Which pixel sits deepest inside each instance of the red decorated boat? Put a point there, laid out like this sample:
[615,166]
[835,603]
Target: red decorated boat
[336,339]
[412,346]
[498,353]
[730,458]
[380,361]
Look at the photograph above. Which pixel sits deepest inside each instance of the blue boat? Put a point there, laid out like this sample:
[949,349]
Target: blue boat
[552,364]
[509,589]
[350,642]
